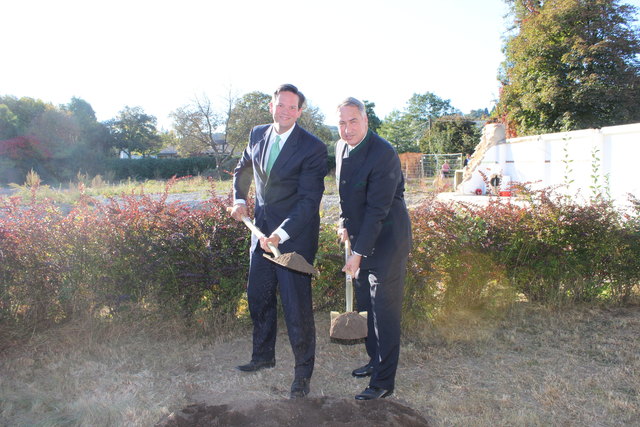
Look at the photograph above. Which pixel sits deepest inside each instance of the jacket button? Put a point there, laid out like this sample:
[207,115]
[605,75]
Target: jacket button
[343,182]
[351,237]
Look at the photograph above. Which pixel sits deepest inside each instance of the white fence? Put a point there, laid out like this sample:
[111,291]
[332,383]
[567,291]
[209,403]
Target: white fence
[580,162]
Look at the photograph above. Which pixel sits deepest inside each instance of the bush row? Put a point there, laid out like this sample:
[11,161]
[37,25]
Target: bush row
[103,259]
[122,169]
[549,249]
[150,168]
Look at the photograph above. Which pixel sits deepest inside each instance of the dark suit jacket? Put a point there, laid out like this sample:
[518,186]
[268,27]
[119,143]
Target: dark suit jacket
[289,197]
[372,203]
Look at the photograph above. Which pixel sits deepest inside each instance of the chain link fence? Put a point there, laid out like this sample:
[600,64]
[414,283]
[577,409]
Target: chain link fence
[422,166]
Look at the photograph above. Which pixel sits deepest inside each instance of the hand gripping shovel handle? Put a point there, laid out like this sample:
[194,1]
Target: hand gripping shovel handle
[349,280]
[255,230]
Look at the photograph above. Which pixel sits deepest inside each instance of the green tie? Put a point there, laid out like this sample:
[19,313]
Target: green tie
[273,154]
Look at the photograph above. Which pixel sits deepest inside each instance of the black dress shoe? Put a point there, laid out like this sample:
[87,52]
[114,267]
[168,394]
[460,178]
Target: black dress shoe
[256,365]
[363,371]
[373,392]
[300,388]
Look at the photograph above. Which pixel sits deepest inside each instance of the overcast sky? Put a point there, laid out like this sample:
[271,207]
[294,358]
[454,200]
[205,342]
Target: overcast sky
[160,54]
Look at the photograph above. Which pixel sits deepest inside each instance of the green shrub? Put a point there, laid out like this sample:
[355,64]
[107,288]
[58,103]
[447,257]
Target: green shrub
[137,252]
[151,168]
[107,257]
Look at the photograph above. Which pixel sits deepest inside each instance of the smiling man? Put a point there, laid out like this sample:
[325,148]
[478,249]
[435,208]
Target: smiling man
[288,165]
[374,218]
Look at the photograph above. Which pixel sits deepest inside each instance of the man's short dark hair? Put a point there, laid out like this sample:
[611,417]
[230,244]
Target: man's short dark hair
[287,87]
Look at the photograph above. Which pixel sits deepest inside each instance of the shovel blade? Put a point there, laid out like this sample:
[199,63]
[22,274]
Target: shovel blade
[348,326]
[293,261]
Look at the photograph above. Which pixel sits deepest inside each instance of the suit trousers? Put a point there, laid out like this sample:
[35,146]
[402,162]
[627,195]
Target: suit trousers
[381,296]
[265,279]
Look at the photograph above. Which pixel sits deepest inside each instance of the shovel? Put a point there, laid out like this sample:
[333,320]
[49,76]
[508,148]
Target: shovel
[350,326]
[290,260]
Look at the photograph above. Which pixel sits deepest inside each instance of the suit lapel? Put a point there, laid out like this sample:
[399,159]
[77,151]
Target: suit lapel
[354,162]
[261,153]
[289,148]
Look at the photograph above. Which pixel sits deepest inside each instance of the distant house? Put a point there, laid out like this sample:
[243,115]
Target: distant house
[168,153]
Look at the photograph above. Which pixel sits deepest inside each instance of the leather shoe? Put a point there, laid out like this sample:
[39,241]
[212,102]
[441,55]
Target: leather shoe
[363,371]
[300,388]
[256,365]
[373,392]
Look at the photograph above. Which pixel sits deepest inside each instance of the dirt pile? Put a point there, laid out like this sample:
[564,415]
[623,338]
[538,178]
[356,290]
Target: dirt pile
[319,412]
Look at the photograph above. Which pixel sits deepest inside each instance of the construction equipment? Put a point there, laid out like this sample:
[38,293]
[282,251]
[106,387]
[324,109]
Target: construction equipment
[349,327]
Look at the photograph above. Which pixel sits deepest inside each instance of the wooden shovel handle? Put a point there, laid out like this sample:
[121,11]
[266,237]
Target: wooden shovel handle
[349,279]
[255,230]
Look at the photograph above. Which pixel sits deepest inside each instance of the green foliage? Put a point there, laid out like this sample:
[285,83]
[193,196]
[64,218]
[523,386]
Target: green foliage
[56,142]
[195,126]
[250,110]
[398,129]
[329,286]
[554,251]
[134,132]
[430,125]
[106,258]
[151,168]
[138,252]
[374,120]
[313,121]
[8,123]
[451,134]
[570,64]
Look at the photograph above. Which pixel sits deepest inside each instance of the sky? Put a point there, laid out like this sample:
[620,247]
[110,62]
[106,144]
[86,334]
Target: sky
[160,55]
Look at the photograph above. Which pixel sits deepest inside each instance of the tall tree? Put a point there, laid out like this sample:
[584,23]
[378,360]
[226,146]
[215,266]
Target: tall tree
[134,131]
[570,64]
[312,120]
[398,129]
[196,126]
[8,123]
[407,128]
[451,134]
[374,120]
[25,110]
[249,110]
[95,135]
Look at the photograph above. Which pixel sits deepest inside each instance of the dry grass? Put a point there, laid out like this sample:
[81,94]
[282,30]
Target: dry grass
[535,366]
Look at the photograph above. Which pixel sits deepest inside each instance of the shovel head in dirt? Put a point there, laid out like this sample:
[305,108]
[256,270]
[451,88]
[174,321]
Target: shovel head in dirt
[351,326]
[289,260]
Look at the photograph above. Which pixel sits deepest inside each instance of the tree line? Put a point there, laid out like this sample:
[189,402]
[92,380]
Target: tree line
[60,142]
[569,64]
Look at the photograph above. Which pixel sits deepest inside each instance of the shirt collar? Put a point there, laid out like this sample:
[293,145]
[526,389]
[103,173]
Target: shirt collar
[283,136]
[356,147]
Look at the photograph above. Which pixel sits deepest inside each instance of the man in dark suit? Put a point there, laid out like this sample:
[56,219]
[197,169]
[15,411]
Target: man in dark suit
[374,218]
[288,165]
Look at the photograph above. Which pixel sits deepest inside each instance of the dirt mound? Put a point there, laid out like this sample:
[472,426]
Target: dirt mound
[321,411]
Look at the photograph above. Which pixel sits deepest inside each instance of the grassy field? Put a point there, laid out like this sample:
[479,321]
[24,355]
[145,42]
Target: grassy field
[97,187]
[533,366]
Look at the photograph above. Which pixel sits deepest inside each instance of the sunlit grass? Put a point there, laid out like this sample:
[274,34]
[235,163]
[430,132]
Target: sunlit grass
[98,187]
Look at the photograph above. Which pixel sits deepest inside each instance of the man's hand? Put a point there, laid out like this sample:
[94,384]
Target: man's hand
[352,267]
[343,235]
[274,239]
[239,211]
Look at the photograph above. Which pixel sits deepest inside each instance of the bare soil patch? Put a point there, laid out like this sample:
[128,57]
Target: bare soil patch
[317,412]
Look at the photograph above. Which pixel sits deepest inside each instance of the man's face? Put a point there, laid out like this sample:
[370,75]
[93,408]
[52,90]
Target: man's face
[353,126]
[285,111]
